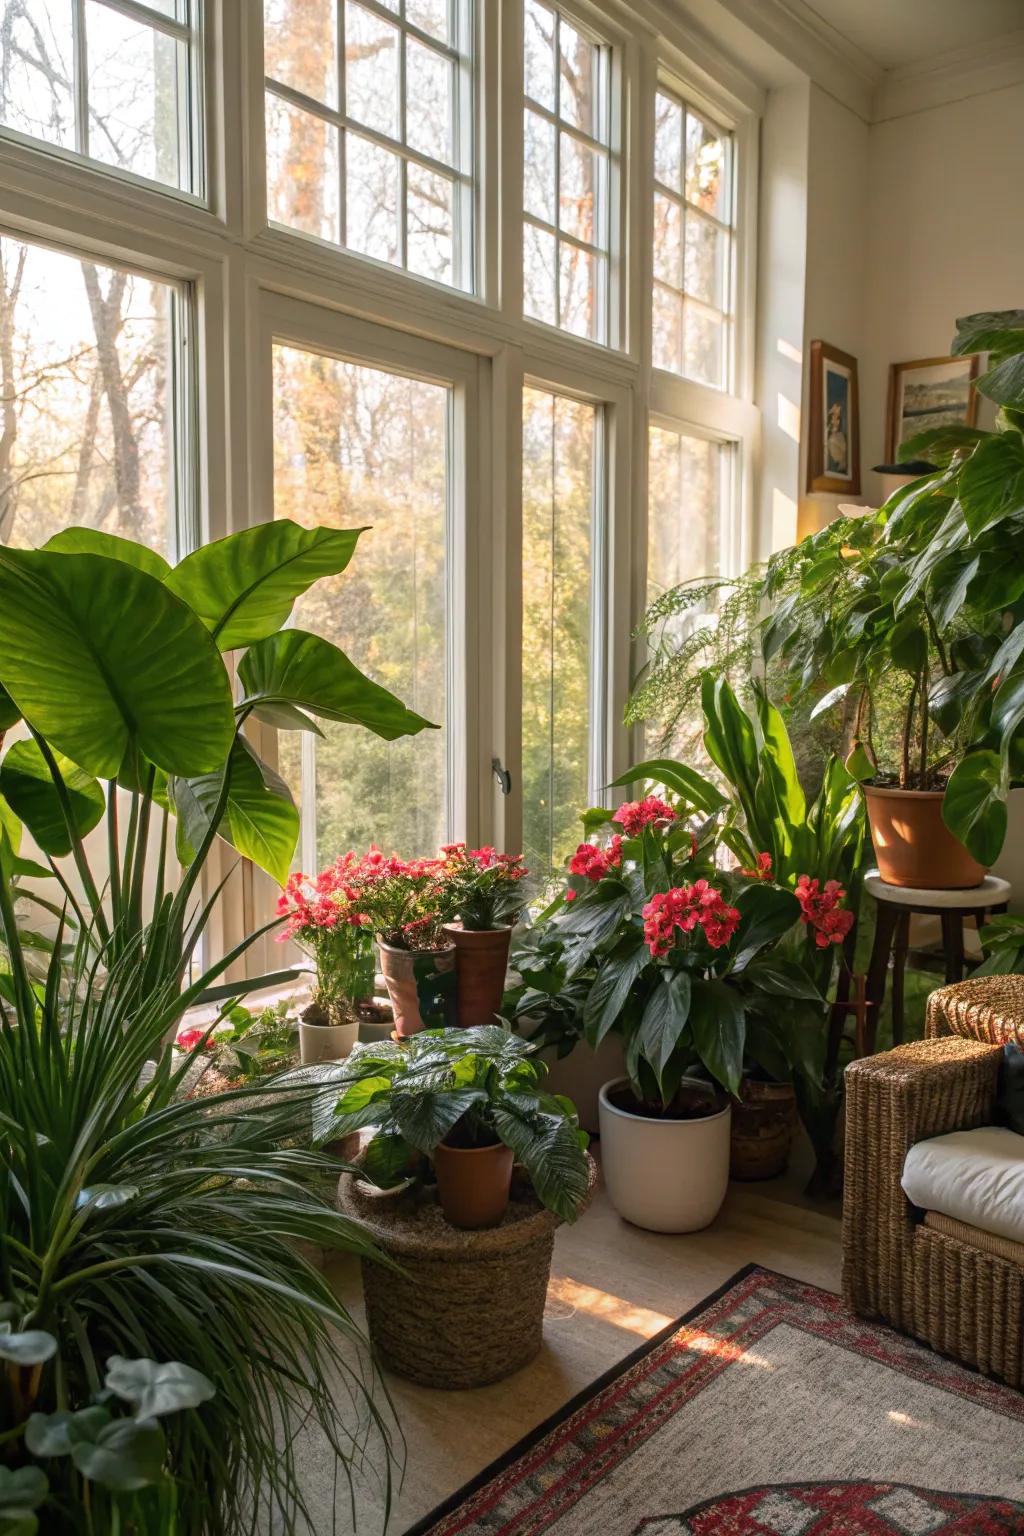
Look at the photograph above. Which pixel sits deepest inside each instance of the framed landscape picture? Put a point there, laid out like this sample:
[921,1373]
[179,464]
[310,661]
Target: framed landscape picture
[833,458]
[932,392]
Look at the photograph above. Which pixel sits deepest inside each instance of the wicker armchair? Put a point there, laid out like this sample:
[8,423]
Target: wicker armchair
[956,1288]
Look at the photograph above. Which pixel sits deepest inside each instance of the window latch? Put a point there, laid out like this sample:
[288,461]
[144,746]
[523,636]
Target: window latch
[502,775]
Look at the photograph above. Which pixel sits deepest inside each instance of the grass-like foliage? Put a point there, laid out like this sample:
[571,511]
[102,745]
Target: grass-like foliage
[137,1222]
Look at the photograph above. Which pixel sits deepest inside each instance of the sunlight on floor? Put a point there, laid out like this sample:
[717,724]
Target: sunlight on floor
[567,1297]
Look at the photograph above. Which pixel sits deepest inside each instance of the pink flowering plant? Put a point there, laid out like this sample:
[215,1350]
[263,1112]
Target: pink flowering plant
[653,940]
[323,915]
[482,887]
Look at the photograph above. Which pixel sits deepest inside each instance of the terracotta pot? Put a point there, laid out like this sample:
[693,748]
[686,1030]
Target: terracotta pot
[763,1125]
[481,961]
[473,1183]
[397,968]
[913,845]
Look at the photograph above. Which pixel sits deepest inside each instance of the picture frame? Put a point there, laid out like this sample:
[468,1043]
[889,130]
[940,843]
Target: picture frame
[833,456]
[929,391]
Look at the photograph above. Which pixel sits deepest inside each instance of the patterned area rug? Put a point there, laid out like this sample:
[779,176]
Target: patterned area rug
[768,1411]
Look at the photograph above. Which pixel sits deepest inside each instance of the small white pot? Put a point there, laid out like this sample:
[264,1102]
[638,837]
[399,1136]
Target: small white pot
[665,1175]
[326,1042]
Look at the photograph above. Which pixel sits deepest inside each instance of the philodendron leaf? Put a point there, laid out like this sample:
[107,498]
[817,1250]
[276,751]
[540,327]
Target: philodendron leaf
[10,714]
[719,1030]
[974,805]
[294,667]
[992,482]
[243,587]
[97,653]
[93,541]
[53,1434]
[33,1347]
[21,1492]
[157,1388]
[260,819]
[125,1456]
[29,790]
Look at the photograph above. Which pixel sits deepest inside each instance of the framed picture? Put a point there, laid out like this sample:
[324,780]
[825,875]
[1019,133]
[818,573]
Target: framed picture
[932,392]
[833,458]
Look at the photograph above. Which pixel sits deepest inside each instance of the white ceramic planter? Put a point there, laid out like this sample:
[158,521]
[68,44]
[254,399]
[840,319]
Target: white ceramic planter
[665,1175]
[326,1042]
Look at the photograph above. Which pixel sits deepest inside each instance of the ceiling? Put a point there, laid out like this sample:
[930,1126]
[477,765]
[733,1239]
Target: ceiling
[899,32]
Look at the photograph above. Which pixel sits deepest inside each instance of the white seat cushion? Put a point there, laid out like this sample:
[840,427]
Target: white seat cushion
[973,1176]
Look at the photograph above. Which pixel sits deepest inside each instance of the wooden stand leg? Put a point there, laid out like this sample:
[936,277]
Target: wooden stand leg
[901,942]
[886,918]
[953,945]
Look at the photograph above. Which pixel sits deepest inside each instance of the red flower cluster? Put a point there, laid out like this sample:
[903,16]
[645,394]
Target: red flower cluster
[763,870]
[456,857]
[820,910]
[190,1038]
[593,862]
[686,908]
[333,896]
[634,815]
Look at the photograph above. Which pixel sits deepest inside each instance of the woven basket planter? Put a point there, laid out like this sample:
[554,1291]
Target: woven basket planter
[467,1307]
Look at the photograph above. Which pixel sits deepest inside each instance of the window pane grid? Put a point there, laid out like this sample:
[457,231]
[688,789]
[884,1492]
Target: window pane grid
[113,81]
[404,178]
[694,234]
[568,165]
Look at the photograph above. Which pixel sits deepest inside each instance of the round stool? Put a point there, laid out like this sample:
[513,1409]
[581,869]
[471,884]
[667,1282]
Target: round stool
[896,904]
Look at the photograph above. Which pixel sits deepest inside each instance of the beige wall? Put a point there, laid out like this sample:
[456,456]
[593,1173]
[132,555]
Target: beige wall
[944,236]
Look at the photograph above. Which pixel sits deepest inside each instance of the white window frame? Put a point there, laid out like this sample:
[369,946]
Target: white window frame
[251,283]
[191,114]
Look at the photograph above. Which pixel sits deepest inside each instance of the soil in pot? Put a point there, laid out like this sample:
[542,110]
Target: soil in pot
[692,1102]
[398,969]
[473,1183]
[763,1125]
[913,845]
[481,961]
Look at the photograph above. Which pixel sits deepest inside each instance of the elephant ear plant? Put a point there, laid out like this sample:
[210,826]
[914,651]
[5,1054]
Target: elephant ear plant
[135,1221]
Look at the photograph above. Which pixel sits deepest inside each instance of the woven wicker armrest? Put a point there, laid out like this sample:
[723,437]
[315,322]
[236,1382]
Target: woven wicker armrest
[892,1101]
[989,1008]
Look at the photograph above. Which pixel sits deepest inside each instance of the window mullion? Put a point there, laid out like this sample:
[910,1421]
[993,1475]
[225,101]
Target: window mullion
[81,78]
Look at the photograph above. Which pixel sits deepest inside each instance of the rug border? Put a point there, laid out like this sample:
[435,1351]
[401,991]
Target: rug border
[533,1436]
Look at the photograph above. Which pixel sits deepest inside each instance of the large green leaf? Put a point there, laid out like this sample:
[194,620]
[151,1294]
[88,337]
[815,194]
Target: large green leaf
[992,482]
[695,789]
[664,1019]
[10,714]
[93,541]
[97,654]
[611,987]
[243,587]
[21,1493]
[297,668]
[125,1456]
[766,912]
[26,785]
[719,1030]
[549,1148]
[260,818]
[990,330]
[729,737]
[424,1118]
[974,805]
[939,444]
[1004,381]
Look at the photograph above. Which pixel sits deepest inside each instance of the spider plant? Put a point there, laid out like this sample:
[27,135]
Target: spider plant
[138,1222]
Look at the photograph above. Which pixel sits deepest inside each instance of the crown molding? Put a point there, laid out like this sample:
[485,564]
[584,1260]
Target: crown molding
[972,71]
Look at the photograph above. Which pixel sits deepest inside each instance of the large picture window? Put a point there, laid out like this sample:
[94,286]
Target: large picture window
[693,243]
[561,461]
[567,170]
[93,401]
[356,446]
[118,83]
[369,129]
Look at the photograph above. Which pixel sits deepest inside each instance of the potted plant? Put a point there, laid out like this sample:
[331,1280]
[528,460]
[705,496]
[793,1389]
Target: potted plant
[188,1211]
[678,955]
[814,849]
[482,888]
[403,903]
[323,918]
[470,1102]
